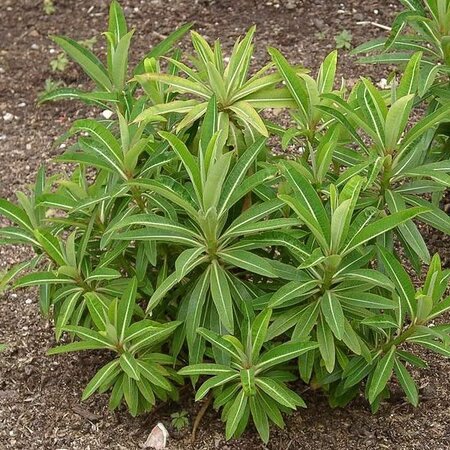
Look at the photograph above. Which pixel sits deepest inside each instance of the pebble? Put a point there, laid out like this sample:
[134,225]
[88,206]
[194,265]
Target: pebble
[34,47]
[383,84]
[107,114]
[28,301]
[8,117]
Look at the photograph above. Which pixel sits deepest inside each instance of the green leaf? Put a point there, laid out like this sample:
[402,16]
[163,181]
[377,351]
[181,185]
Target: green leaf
[120,61]
[102,274]
[66,312]
[196,305]
[125,308]
[97,309]
[220,292]
[408,230]
[380,226]
[406,382]
[326,344]
[206,369]
[260,419]
[38,278]
[151,336]
[248,261]
[238,173]
[351,339]
[107,372]
[249,116]
[284,352]
[87,60]
[117,24]
[177,84]
[369,276]
[292,290]
[306,321]
[296,85]
[279,393]
[396,120]
[15,214]
[218,380]
[149,234]
[76,347]
[215,180]
[219,342]
[235,414]
[259,331]
[308,198]
[237,68]
[131,394]
[90,336]
[400,278]
[110,149]
[188,161]
[129,365]
[381,374]
[433,216]
[333,313]
[164,46]
[327,73]
[422,126]
[362,299]
[185,261]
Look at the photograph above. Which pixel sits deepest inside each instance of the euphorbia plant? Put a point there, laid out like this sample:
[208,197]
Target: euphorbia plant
[112,88]
[176,228]
[239,96]
[253,383]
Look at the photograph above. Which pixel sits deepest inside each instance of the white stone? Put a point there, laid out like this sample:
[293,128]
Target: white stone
[157,439]
[383,84]
[107,114]
[8,117]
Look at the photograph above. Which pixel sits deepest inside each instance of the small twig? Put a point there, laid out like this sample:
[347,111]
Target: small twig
[199,416]
[159,35]
[375,24]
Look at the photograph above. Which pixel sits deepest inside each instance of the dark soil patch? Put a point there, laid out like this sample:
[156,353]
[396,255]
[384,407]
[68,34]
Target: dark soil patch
[39,395]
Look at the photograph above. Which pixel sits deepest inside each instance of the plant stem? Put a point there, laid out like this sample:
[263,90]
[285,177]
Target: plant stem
[200,415]
[400,338]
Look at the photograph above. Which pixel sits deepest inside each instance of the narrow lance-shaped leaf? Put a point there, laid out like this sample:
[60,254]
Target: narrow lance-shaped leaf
[401,280]
[125,308]
[333,313]
[381,374]
[221,296]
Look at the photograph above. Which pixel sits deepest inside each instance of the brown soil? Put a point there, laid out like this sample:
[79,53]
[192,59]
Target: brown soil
[39,395]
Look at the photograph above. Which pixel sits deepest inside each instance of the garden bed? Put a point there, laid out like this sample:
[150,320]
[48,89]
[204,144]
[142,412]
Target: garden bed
[39,395]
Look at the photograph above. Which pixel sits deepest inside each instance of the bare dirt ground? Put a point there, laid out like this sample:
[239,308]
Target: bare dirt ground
[40,396]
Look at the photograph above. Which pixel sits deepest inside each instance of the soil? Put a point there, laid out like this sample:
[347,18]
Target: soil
[40,396]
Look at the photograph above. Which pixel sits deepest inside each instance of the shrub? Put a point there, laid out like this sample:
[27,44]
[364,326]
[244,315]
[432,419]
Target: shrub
[179,240]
